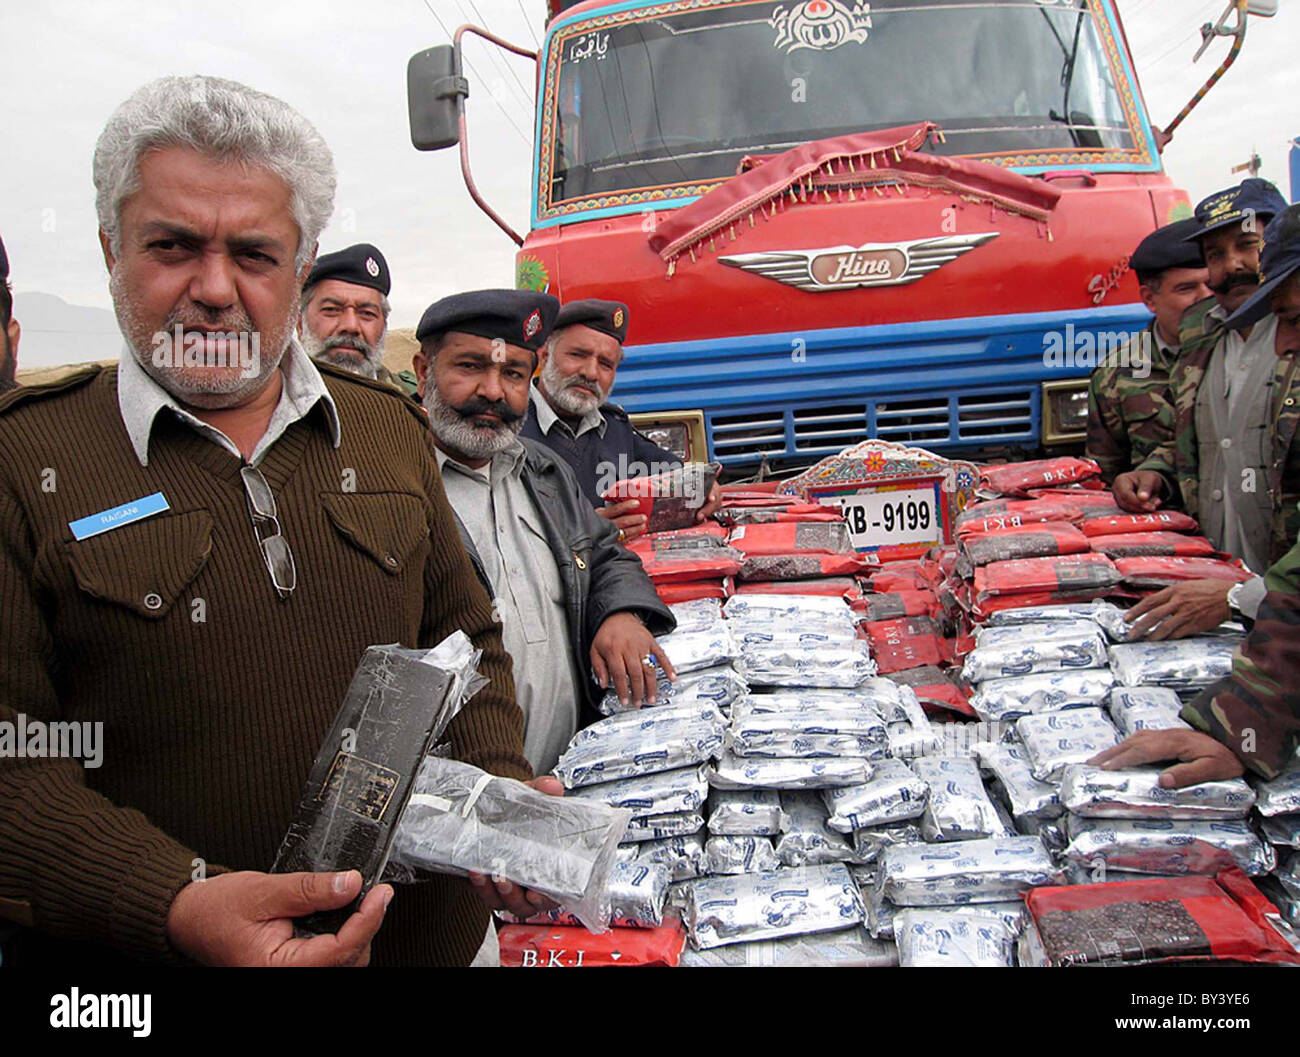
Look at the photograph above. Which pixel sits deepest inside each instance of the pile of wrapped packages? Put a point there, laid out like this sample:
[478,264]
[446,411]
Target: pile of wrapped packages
[867,763]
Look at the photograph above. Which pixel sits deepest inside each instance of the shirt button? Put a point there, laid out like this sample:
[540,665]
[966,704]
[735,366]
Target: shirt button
[152,601]
[1226,442]
[391,561]
[1217,495]
[1290,401]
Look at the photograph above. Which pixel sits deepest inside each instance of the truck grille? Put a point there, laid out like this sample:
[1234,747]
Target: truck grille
[810,431]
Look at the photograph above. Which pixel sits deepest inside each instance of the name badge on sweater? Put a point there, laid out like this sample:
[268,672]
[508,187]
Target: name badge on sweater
[107,520]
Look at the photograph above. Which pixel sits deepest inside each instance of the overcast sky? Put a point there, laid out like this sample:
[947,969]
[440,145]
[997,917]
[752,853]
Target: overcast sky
[67,65]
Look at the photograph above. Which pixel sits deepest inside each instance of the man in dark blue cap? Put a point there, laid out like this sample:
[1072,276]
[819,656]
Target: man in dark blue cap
[9,329]
[1126,396]
[569,411]
[345,312]
[1232,451]
[570,600]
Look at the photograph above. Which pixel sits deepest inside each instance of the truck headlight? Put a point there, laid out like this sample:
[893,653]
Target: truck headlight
[1065,411]
[680,432]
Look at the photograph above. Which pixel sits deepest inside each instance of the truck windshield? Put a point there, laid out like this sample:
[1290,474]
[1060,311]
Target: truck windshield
[659,100]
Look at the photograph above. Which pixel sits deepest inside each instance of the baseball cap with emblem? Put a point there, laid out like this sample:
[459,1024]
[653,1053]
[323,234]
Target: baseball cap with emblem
[1253,197]
[361,265]
[1278,262]
[608,317]
[518,317]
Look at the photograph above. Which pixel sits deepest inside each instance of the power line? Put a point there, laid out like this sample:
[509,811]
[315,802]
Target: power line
[529,23]
[528,96]
[493,56]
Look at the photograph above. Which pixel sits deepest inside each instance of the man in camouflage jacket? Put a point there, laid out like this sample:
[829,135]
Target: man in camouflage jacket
[1128,395]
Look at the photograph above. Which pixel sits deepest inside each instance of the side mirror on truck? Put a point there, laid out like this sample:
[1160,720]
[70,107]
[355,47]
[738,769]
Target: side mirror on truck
[434,88]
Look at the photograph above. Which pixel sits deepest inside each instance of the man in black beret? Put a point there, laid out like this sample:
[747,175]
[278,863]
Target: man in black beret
[569,411]
[9,329]
[1126,395]
[570,599]
[345,312]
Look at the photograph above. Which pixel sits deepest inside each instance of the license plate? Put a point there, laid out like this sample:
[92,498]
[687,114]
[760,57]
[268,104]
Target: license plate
[883,519]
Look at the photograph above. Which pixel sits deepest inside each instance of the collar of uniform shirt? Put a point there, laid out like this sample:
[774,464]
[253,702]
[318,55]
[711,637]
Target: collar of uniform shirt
[509,462]
[140,399]
[546,416]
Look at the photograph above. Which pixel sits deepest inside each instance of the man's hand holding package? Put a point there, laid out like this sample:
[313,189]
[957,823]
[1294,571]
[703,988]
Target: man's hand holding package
[629,523]
[618,655]
[1188,608]
[1203,759]
[499,894]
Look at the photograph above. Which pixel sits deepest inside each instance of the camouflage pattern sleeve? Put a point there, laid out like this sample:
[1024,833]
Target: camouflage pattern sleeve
[1107,442]
[1255,711]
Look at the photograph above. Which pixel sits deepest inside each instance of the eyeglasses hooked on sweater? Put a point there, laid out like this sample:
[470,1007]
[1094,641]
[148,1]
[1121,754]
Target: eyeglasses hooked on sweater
[261,506]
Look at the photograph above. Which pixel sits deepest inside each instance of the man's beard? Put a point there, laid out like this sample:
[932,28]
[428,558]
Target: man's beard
[198,386]
[452,427]
[324,350]
[563,393]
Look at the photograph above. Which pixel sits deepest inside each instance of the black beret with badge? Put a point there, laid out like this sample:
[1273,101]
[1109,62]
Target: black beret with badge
[608,317]
[361,265]
[1168,247]
[523,318]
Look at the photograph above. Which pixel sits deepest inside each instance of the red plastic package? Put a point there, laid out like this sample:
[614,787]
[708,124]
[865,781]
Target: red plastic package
[1070,576]
[1107,524]
[830,586]
[890,605]
[935,689]
[801,566]
[1155,573]
[1014,513]
[691,590]
[668,500]
[1154,544]
[680,566]
[794,512]
[907,642]
[791,537]
[911,575]
[566,947]
[1017,478]
[1174,919]
[1042,540]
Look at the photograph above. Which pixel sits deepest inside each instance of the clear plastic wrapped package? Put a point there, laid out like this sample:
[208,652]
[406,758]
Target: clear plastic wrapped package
[1181,664]
[994,870]
[910,731]
[697,650]
[660,827]
[850,947]
[1135,708]
[969,937]
[805,840]
[637,748]
[1168,846]
[751,634]
[1058,739]
[869,843]
[723,910]
[1026,695]
[718,686]
[745,812]
[1033,654]
[1028,798]
[806,732]
[797,609]
[461,819]
[733,855]
[737,772]
[892,793]
[1078,629]
[646,720]
[1280,795]
[958,807]
[699,614]
[1096,611]
[786,662]
[1094,792]
[661,793]
[636,894]
[683,856]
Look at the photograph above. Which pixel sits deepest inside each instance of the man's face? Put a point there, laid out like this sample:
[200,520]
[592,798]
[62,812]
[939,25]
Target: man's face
[578,372]
[343,324]
[208,246]
[1176,290]
[476,392]
[1232,259]
[1285,300]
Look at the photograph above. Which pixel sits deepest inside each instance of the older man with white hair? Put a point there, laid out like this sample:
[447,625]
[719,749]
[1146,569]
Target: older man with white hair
[196,547]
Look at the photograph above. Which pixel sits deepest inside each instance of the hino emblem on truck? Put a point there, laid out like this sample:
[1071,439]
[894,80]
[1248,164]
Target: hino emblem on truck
[846,267]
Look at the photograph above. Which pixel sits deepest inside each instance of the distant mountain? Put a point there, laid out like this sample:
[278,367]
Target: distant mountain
[56,332]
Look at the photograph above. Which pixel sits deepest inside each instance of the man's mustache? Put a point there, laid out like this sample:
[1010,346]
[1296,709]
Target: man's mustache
[478,406]
[347,341]
[1234,280]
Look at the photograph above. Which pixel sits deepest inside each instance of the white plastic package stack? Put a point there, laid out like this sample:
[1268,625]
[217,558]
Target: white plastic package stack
[1135,708]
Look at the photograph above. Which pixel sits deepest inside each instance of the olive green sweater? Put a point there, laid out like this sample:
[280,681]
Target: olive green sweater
[214,693]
